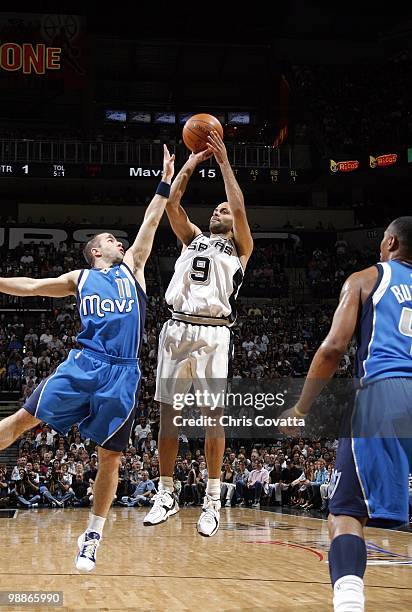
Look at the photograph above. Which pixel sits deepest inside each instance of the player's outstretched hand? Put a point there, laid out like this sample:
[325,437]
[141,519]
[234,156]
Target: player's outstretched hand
[198,158]
[168,164]
[217,147]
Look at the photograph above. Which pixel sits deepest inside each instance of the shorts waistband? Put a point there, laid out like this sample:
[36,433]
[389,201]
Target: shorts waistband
[111,358]
[199,320]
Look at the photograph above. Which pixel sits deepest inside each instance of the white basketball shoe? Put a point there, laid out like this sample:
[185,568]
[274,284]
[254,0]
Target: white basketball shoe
[165,504]
[88,544]
[209,520]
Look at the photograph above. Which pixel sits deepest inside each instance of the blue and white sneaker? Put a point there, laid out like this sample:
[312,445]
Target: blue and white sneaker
[88,544]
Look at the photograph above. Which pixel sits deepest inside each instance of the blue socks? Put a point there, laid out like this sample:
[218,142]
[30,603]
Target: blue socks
[347,557]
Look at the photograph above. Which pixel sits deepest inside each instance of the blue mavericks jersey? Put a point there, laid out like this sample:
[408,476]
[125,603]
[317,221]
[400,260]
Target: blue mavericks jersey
[112,308]
[385,327]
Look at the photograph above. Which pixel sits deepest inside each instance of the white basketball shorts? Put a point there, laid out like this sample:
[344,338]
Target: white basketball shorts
[189,354]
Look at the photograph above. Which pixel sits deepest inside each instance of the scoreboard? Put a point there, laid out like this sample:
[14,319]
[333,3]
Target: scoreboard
[61,170]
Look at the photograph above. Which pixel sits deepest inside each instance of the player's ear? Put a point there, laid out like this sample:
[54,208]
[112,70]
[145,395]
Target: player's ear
[393,243]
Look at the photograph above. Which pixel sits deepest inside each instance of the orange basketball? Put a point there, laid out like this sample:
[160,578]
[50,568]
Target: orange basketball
[197,129]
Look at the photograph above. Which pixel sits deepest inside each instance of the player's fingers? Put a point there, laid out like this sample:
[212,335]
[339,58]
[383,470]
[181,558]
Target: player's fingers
[212,147]
[217,138]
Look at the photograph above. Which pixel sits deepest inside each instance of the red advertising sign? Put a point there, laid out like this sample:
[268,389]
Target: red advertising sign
[344,166]
[383,160]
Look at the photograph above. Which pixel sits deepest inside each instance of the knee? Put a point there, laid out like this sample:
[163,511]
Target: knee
[333,526]
[109,461]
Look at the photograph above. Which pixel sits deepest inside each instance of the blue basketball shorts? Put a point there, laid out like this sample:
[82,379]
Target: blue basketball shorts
[96,391]
[372,467]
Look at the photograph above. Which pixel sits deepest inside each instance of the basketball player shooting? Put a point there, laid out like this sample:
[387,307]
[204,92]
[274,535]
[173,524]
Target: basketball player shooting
[194,344]
[372,467]
[96,386]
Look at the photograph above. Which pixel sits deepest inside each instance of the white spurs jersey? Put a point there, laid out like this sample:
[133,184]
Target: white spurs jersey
[206,281]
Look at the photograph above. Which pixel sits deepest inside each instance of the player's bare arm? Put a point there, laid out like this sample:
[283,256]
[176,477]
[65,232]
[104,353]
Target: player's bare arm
[138,254]
[241,230]
[22,286]
[183,228]
[328,356]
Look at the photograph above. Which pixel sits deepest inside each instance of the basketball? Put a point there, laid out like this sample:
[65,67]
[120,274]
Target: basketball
[197,129]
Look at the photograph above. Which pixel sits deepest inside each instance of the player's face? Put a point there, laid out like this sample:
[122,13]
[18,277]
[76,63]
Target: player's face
[221,222]
[111,249]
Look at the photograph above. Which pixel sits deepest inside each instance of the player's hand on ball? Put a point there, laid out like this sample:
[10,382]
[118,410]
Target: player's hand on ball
[168,164]
[217,146]
[198,158]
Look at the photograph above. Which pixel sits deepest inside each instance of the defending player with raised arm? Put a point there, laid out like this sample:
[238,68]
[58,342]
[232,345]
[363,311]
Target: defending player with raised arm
[97,386]
[372,466]
[195,345]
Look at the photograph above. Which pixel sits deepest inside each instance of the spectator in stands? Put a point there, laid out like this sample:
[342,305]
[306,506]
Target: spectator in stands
[142,494]
[140,431]
[194,489]
[228,486]
[326,489]
[275,483]
[147,444]
[25,491]
[257,483]
[4,489]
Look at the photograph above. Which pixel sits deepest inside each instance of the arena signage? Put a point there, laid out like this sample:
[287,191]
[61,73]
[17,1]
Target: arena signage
[28,58]
[13,236]
[344,166]
[383,160]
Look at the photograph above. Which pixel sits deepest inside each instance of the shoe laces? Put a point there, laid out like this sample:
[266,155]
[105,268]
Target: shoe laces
[89,549]
[210,505]
[158,497]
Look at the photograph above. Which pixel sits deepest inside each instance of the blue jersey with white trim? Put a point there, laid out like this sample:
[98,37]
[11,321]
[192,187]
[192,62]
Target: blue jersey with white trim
[385,328]
[112,309]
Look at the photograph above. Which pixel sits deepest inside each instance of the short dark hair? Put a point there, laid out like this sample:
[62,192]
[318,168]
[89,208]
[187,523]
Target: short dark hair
[402,229]
[87,251]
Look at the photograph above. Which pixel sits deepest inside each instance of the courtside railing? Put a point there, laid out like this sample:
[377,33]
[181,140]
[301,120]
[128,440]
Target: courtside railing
[76,151]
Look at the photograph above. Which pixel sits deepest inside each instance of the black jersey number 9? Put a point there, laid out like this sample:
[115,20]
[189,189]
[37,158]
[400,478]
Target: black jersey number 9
[200,269]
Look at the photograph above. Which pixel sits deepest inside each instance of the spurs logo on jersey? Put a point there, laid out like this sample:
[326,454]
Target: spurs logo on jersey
[207,278]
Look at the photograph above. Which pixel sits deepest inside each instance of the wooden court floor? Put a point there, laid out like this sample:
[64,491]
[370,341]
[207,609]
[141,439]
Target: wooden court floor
[258,560]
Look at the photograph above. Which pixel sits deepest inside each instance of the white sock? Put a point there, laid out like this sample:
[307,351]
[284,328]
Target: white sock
[213,488]
[166,484]
[348,594]
[96,524]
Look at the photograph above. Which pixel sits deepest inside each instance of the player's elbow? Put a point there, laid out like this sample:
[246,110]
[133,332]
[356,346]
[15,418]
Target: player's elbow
[152,220]
[333,348]
[33,286]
